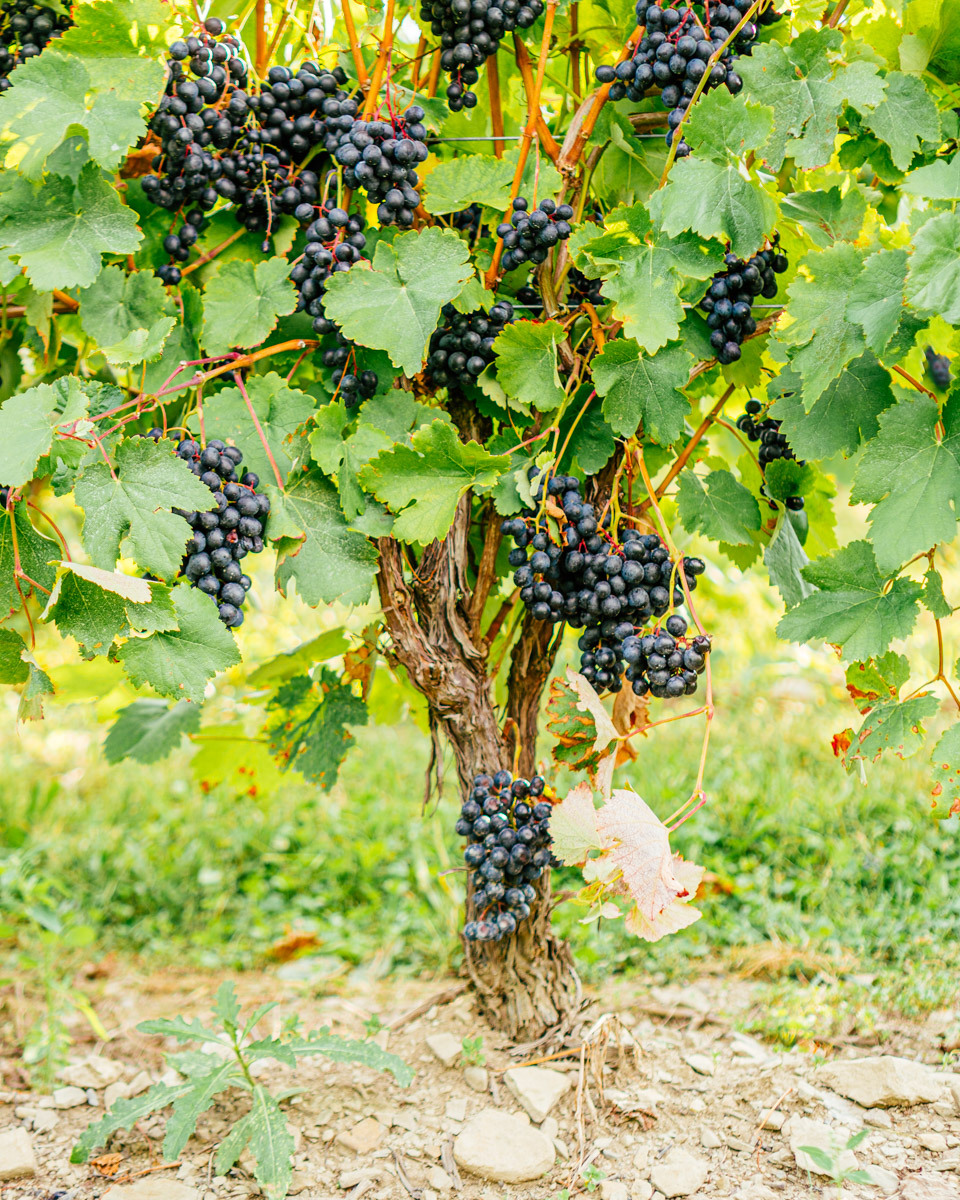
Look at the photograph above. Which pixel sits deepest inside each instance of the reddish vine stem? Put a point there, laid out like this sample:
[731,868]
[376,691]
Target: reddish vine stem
[589,113]
[547,140]
[259,428]
[211,254]
[434,77]
[417,63]
[242,360]
[496,110]
[501,616]
[533,109]
[383,57]
[262,51]
[915,383]
[575,49]
[358,64]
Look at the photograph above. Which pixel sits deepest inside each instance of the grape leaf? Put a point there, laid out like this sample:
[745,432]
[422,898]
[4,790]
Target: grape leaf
[329,561]
[95,606]
[182,344]
[828,216]
[675,915]
[912,477]
[37,553]
[242,302]
[892,725]
[714,200]
[134,506]
[723,126]
[905,117]
[591,440]
[841,418]
[785,559]
[13,669]
[29,421]
[876,299]
[149,730]
[573,826]
[639,844]
[573,728]
[395,306]
[59,229]
[126,315]
[483,179]
[120,42]
[422,483]
[308,730]
[933,279]
[179,663]
[636,388]
[851,608]
[280,410]
[938,181]
[527,362]
[933,597]
[945,762]
[720,507]
[877,679]
[53,97]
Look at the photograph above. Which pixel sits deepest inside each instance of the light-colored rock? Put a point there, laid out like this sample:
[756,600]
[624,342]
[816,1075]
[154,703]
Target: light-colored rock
[95,1071]
[648,1099]
[701,1063]
[641,1160]
[772,1118]
[476,1078]
[927,1187]
[299,1182]
[456,1109]
[885,1180]
[550,1128]
[801,1132]
[537,1089]
[641,1190]
[362,1138]
[116,1091]
[709,1140]
[139,1084]
[679,1173]
[438,1179]
[17,1160]
[44,1121]
[936,1143]
[349,1179]
[445,1047]
[878,1118]
[881,1081]
[950,1085]
[613,1189]
[69,1097]
[503,1148]
[154,1187]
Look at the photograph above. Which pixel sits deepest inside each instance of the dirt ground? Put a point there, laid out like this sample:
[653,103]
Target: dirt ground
[660,1068]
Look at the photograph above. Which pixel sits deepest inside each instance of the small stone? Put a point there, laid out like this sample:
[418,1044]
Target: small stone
[773,1118]
[44,1121]
[17,1160]
[152,1188]
[116,1091]
[700,1063]
[709,1140]
[801,1131]
[879,1118]
[349,1179]
[139,1084]
[537,1089]
[679,1173]
[476,1078]
[362,1138]
[299,1182]
[613,1189]
[881,1081]
[885,1180]
[69,1097]
[503,1148]
[445,1047]
[641,1160]
[641,1190]
[438,1178]
[648,1099]
[927,1187]
[456,1109]
[550,1128]
[936,1143]
[95,1071]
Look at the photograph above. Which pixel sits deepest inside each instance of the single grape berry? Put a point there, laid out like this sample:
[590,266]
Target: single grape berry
[939,367]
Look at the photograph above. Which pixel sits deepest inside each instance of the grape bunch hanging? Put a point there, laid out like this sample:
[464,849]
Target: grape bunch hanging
[508,830]
[462,346]
[379,158]
[675,53]
[25,29]
[469,32]
[773,443]
[729,299]
[528,237]
[610,590]
[226,533]
[664,662]
[939,367]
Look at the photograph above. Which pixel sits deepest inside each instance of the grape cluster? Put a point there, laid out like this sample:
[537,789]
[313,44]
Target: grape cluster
[674,54]
[609,590]
[730,296]
[25,29]
[508,832]
[335,241]
[462,347]
[773,443]
[581,290]
[469,32]
[468,221]
[529,236]
[664,662]
[939,367]
[228,532]
[379,158]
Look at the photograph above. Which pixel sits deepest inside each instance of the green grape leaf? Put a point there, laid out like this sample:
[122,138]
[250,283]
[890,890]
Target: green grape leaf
[126,315]
[893,725]
[349,1050]
[395,306]
[714,200]
[37,554]
[423,482]
[120,42]
[720,507]
[784,477]
[905,117]
[95,606]
[53,97]
[573,728]
[58,229]
[30,420]
[328,561]
[280,410]
[851,609]
[639,389]
[841,418]
[912,477]
[820,341]
[124,1115]
[483,179]
[527,363]
[133,505]
[591,440]
[182,344]
[13,668]
[827,216]
[271,1144]
[722,126]
[307,729]
[178,664]
[785,559]
[877,679]
[933,597]
[242,302]
[945,764]
[148,730]
[938,181]
[330,644]
[933,280]
[876,299]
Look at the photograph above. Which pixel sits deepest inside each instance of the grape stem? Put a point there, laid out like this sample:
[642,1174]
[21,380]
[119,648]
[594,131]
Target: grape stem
[262,52]
[547,139]
[259,428]
[496,109]
[354,43]
[210,254]
[56,528]
[383,57]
